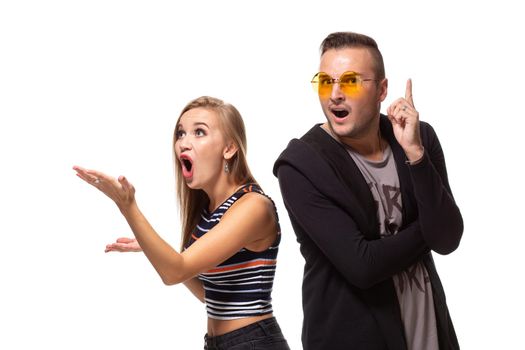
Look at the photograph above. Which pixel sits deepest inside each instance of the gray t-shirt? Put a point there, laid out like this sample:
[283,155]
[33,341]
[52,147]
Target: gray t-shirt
[413,288]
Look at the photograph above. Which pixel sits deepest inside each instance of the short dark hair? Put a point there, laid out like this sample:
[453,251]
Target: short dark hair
[342,40]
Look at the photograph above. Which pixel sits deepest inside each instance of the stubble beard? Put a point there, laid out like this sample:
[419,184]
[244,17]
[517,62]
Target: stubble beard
[354,131]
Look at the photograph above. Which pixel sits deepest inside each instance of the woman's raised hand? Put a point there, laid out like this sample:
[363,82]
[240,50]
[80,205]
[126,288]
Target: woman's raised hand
[120,190]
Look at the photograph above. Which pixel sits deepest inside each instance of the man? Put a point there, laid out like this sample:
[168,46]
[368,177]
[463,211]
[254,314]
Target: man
[368,198]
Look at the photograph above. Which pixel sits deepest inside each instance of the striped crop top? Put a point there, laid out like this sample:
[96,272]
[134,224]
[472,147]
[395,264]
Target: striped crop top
[241,286]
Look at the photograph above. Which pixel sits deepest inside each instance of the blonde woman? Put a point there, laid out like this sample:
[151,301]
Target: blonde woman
[230,228]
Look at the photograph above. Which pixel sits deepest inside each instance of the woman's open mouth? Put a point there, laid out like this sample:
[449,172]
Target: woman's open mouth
[187,166]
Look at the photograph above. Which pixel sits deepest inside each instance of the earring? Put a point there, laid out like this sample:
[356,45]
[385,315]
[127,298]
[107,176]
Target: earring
[226,168]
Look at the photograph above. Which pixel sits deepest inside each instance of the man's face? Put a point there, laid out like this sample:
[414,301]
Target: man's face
[352,116]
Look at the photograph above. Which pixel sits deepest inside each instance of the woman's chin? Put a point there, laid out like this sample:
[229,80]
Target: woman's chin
[189,182]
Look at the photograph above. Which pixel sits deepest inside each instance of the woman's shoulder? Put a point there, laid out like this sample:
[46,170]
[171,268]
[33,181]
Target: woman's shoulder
[255,197]
[253,202]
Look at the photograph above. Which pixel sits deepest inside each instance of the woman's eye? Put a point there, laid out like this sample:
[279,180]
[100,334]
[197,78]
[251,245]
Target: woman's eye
[199,132]
[180,134]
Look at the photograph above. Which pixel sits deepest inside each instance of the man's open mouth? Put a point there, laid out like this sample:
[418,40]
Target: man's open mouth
[340,113]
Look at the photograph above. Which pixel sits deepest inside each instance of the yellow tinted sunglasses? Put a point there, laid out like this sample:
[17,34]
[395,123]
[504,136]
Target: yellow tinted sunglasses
[350,83]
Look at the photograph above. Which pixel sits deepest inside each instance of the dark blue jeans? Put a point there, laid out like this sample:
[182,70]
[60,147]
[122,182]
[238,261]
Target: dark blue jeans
[262,335]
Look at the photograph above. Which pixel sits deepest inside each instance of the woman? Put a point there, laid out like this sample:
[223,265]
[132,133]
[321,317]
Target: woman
[230,229]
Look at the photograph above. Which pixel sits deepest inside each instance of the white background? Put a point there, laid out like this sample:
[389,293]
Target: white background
[101,83]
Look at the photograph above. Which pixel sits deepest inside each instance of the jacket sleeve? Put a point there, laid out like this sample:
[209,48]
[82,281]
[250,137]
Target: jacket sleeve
[439,216]
[362,262]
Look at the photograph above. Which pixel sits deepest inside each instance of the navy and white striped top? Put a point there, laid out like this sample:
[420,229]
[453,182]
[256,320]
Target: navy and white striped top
[241,286]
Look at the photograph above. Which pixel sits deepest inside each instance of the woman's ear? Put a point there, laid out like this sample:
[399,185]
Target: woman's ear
[230,150]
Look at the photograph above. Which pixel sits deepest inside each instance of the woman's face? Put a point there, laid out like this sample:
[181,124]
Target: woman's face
[200,147]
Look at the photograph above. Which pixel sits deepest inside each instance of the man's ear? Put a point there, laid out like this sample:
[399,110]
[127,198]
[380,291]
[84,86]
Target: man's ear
[230,150]
[383,86]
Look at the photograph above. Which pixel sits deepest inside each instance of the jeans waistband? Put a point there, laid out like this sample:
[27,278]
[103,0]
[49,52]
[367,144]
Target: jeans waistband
[265,327]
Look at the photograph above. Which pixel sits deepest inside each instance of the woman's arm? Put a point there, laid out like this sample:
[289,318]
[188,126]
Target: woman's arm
[125,244]
[196,288]
[250,220]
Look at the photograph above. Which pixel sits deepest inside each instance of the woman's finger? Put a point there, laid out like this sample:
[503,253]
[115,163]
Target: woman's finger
[82,173]
[124,183]
[92,177]
[89,179]
[125,240]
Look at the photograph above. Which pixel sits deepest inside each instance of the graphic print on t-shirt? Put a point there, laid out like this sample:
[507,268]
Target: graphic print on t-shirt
[389,211]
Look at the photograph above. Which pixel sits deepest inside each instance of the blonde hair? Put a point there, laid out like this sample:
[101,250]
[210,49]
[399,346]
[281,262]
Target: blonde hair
[191,201]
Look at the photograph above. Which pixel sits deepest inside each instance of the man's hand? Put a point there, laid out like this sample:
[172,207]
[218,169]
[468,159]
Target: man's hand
[405,121]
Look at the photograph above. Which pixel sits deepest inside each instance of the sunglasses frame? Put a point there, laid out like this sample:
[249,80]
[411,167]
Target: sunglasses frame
[350,89]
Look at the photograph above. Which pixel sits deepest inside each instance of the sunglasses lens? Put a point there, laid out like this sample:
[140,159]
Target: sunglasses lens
[349,83]
[322,84]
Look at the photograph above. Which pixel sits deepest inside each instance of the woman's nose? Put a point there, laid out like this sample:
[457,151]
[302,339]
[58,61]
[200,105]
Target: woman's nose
[184,143]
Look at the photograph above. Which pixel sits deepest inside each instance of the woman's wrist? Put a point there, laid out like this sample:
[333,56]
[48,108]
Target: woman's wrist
[127,209]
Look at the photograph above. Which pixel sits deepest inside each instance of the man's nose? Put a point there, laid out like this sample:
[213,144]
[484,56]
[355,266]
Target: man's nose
[337,94]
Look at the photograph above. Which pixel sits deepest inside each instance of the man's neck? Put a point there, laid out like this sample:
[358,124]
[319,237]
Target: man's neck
[370,146]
